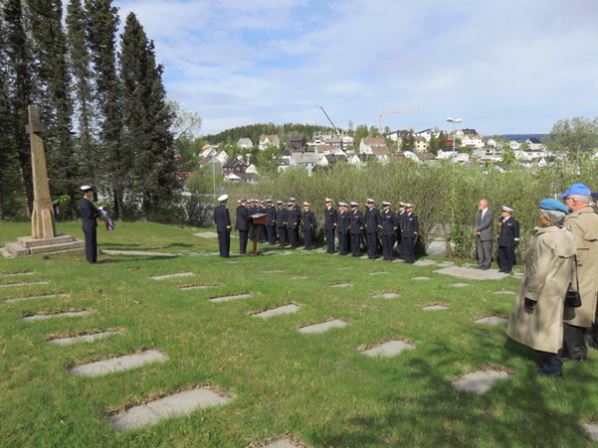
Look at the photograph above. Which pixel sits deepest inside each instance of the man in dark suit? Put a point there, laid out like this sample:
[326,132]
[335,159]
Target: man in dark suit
[389,227]
[356,227]
[330,219]
[297,213]
[281,220]
[223,226]
[409,233]
[242,225]
[483,230]
[400,218]
[270,212]
[309,225]
[89,215]
[293,220]
[251,210]
[372,224]
[343,224]
[508,238]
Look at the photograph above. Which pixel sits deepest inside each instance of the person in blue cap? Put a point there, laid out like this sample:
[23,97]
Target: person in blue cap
[583,224]
[537,313]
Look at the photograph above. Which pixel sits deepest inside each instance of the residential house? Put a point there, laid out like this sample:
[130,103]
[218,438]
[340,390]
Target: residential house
[235,166]
[487,154]
[268,141]
[421,144]
[245,143]
[296,144]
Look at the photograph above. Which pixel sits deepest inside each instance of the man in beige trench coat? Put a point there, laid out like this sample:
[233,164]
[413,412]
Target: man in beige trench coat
[583,224]
[537,313]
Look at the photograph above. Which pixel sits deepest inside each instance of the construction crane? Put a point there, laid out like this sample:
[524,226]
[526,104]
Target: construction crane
[330,120]
[381,115]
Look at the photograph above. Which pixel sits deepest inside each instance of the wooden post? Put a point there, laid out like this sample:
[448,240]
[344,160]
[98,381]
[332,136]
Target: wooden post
[42,218]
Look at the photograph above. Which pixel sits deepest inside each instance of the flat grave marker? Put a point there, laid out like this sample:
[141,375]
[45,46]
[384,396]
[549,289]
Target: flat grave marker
[90,337]
[59,314]
[386,295]
[137,253]
[379,273]
[44,296]
[388,349]
[18,284]
[459,285]
[278,311]
[299,277]
[283,442]
[16,273]
[231,298]
[471,273]
[492,320]
[341,285]
[323,327]
[206,234]
[479,382]
[421,278]
[435,307]
[505,292]
[424,262]
[119,364]
[592,430]
[192,287]
[175,275]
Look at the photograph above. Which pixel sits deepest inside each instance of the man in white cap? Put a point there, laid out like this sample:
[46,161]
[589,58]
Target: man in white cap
[356,227]
[389,226]
[223,226]
[508,238]
[89,215]
[342,227]
[409,234]
[309,225]
[372,221]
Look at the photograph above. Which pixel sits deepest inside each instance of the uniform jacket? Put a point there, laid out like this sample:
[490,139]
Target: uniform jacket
[330,218]
[372,219]
[89,214]
[390,223]
[409,225]
[293,217]
[356,220]
[281,217]
[583,224]
[484,225]
[508,233]
[343,223]
[309,220]
[242,218]
[547,276]
[221,218]
[270,215]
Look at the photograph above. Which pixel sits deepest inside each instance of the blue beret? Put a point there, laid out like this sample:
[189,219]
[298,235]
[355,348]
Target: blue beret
[553,205]
[580,189]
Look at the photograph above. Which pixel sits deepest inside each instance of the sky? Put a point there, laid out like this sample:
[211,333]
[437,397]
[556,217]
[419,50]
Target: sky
[503,66]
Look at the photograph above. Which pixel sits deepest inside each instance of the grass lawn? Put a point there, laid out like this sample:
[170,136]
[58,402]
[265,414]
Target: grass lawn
[318,387]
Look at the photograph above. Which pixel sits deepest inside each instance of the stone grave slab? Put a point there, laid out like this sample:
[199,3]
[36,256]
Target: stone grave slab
[52,316]
[421,278]
[136,253]
[15,274]
[119,364]
[435,307]
[91,337]
[517,274]
[169,276]
[16,284]
[273,271]
[341,285]
[299,277]
[379,273]
[592,430]
[230,298]
[44,296]
[206,234]
[175,405]
[285,309]
[459,285]
[446,264]
[283,442]
[386,295]
[424,262]
[479,382]
[344,268]
[492,320]
[323,327]
[471,273]
[192,287]
[388,349]
[510,293]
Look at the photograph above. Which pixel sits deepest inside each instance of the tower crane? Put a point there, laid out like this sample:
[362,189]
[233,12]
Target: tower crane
[381,115]
[329,119]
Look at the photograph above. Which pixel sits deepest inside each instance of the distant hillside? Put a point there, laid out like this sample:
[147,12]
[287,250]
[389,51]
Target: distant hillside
[536,138]
[253,131]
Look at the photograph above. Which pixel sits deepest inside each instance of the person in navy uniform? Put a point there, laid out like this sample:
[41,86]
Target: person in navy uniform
[409,232]
[342,226]
[330,219]
[281,220]
[297,214]
[400,218]
[251,210]
[261,228]
[270,212]
[372,225]
[89,215]
[293,220]
[508,239]
[390,225]
[223,226]
[242,225]
[309,225]
[356,228]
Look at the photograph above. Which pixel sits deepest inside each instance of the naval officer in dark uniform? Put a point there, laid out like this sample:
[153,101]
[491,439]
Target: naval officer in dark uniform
[343,224]
[409,232]
[281,223]
[372,224]
[309,225]
[270,212]
[242,225]
[356,226]
[330,218]
[390,225]
[223,226]
[508,238]
[89,215]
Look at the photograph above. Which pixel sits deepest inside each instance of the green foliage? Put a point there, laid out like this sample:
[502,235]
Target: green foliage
[576,139]
[232,136]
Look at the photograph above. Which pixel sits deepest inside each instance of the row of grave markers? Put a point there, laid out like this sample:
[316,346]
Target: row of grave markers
[187,401]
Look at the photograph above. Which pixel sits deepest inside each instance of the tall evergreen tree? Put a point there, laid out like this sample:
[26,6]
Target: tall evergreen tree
[147,119]
[102,23]
[20,88]
[87,155]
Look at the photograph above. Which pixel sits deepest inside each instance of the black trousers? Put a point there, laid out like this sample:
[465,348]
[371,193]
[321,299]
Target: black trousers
[343,243]
[261,233]
[271,230]
[355,244]
[224,242]
[91,245]
[408,249]
[242,241]
[293,240]
[307,237]
[282,236]
[387,243]
[330,240]
[372,244]
[250,231]
[574,342]
[505,258]
[550,363]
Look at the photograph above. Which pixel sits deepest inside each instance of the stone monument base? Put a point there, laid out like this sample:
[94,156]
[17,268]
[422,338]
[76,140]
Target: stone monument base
[28,245]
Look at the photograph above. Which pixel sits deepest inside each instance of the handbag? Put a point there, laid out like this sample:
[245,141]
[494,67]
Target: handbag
[572,298]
